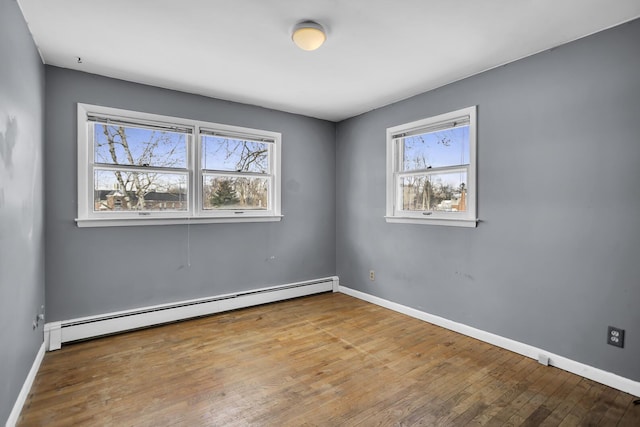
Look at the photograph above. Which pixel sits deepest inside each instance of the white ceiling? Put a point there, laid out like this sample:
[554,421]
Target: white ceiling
[377,51]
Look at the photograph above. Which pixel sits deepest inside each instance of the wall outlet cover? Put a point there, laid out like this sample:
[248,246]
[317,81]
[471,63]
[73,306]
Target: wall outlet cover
[615,336]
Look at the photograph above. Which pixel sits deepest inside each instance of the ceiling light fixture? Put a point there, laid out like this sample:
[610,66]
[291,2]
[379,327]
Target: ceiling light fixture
[308,35]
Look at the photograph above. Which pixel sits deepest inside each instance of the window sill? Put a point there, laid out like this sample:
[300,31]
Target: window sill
[457,222]
[127,222]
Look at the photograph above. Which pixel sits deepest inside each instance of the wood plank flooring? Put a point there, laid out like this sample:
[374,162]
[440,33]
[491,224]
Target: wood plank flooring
[325,360]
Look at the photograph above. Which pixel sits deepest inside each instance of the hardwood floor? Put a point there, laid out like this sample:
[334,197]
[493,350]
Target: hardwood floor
[329,360]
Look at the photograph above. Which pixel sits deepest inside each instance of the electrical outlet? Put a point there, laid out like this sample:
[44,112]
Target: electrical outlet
[372,275]
[615,336]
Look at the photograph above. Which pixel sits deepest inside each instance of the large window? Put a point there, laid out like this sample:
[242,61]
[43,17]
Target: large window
[139,169]
[431,170]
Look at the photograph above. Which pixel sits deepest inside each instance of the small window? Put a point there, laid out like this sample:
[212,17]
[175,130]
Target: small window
[431,170]
[236,172]
[136,167]
[139,169]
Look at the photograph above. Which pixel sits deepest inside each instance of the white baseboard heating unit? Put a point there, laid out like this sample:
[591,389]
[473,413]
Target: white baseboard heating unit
[57,333]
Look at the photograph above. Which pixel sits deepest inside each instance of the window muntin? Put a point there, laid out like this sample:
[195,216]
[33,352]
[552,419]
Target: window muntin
[147,167]
[431,173]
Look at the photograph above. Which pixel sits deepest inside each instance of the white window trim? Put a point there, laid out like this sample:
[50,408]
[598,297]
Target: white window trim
[195,214]
[457,219]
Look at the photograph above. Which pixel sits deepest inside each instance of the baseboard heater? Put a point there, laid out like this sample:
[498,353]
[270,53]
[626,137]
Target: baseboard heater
[57,333]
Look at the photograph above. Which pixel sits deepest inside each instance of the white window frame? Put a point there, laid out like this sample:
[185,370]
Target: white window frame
[195,213]
[394,211]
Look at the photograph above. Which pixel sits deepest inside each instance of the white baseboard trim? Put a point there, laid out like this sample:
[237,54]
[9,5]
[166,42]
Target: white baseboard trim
[57,333]
[26,388]
[586,371]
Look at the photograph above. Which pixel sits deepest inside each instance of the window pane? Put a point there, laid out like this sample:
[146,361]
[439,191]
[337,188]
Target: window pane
[139,146]
[139,191]
[228,154]
[438,192]
[448,147]
[227,193]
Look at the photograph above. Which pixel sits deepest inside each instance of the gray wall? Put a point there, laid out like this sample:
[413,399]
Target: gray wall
[99,270]
[21,202]
[555,258]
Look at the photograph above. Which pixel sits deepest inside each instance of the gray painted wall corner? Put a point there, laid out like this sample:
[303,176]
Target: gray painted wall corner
[21,203]
[553,262]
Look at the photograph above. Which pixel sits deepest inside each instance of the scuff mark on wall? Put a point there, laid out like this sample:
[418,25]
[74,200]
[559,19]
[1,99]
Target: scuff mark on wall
[8,139]
[20,182]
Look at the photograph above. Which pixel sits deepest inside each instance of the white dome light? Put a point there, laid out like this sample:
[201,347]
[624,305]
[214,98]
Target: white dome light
[308,35]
